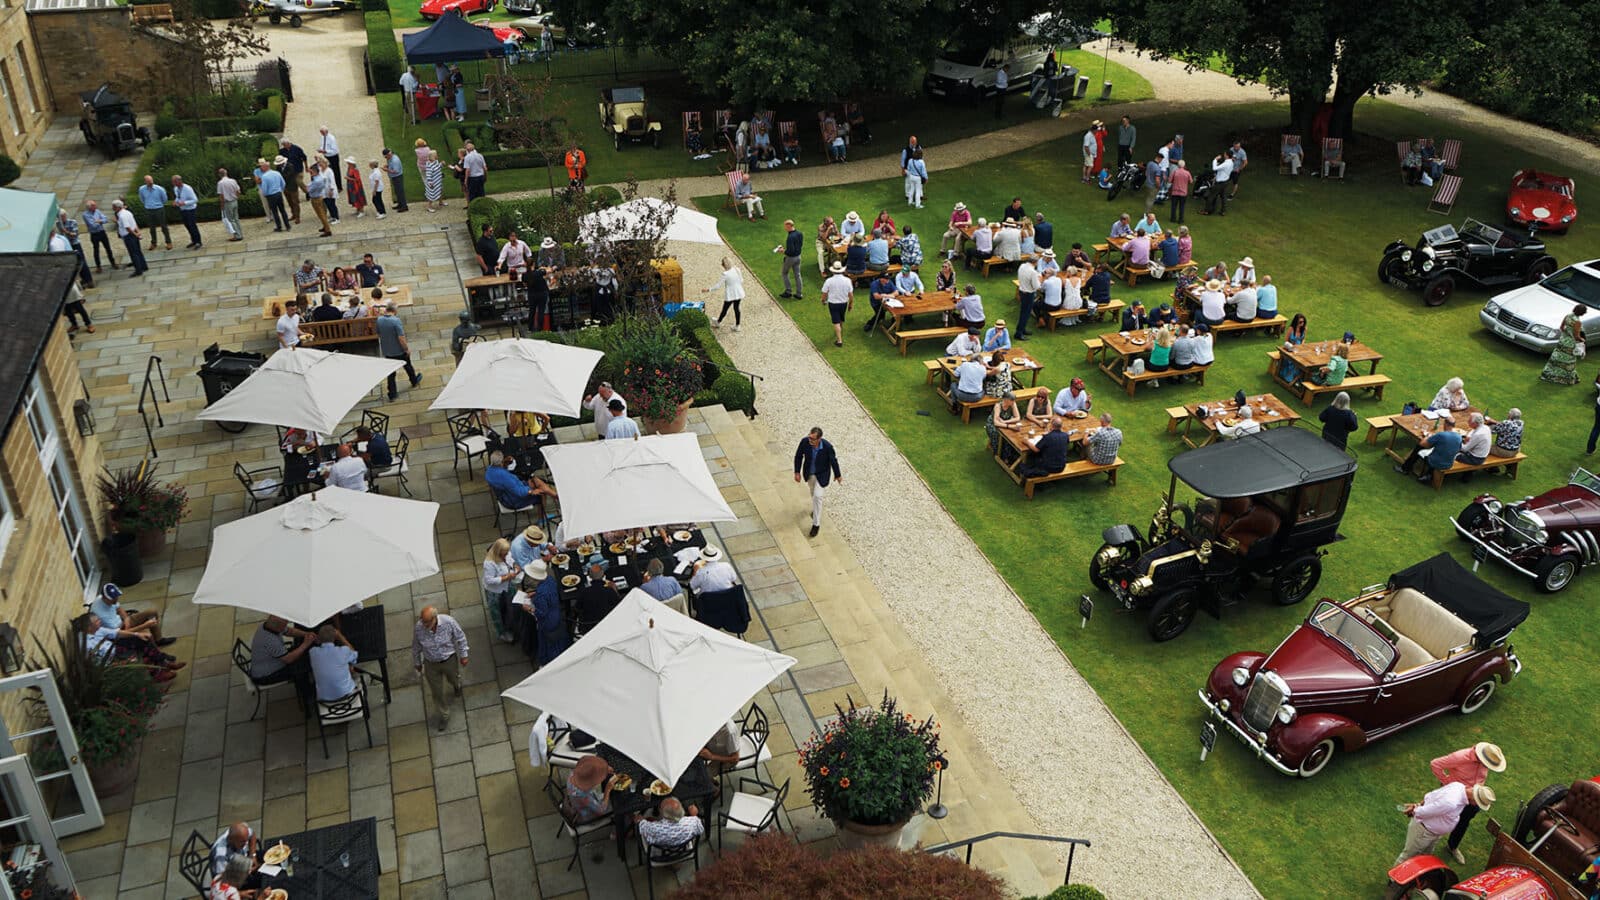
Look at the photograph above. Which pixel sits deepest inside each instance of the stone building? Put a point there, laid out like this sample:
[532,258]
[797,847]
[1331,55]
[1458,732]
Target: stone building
[25,109]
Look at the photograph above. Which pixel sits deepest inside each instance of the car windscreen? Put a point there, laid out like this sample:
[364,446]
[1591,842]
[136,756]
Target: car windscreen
[1367,645]
[1575,285]
[966,55]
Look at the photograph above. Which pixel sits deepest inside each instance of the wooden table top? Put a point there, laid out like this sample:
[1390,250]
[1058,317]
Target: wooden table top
[1022,439]
[922,304]
[1018,358]
[401,297]
[1121,243]
[486,281]
[1266,408]
[1199,287]
[1419,426]
[1314,354]
[1124,346]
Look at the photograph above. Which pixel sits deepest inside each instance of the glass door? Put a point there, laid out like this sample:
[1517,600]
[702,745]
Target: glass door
[44,429]
[33,860]
[34,725]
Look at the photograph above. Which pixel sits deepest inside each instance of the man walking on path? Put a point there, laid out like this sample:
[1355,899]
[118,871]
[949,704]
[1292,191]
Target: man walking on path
[393,345]
[187,202]
[1471,767]
[815,465]
[96,222]
[439,653]
[318,191]
[397,178]
[329,148]
[477,170]
[793,244]
[153,197]
[128,230]
[228,198]
[273,187]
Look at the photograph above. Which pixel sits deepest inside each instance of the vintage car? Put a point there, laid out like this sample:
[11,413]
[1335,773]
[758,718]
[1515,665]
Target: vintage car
[1267,504]
[275,11]
[502,33]
[433,9]
[1561,826]
[1541,201]
[1512,874]
[108,122]
[533,29]
[1478,255]
[1433,639]
[1548,538]
[624,117]
[1530,316]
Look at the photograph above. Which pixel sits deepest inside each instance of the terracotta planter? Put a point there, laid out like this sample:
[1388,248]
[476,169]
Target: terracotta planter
[855,834]
[111,779]
[670,426]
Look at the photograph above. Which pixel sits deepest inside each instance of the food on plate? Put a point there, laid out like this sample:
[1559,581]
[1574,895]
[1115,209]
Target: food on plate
[276,854]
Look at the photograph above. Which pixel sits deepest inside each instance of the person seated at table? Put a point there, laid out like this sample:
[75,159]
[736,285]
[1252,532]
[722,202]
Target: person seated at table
[1477,443]
[1073,398]
[1038,409]
[1007,415]
[1170,251]
[1436,451]
[721,751]
[1452,396]
[965,344]
[945,280]
[342,279]
[1047,265]
[370,272]
[513,492]
[1160,352]
[1026,244]
[348,470]
[1164,315]
[1008,242]
[1338,366]
[1185,246]
[271,662]
[884,224]
[1507,433]
[333,665]
[309,278]
[596,599]
[1245,272]
[969,307]
[1135,317]
[910,249]
[1148,225]
[982,244]
[1213,303]
[1266,298]
[1122,227]
[673,829]
[108,642]
[1014,211]
[377,452]
[852,225]
[998,381]
[1050,292]
[1138,248]
[1247,424]
[1204,345]
[1050,452]
[879,292]
[326,311]
[878,251]
[1073,280]
[354,309]
[1244,302]
[523,424]
[1295,336]
[712,572]
[1218,272]
[589,790]
[968,385]
[950,242]
[229,884]
[296,438]
[1078,258]
[1338,422]
[997,337]
[855,256]
[238,839]
[907,283]
[658,584]
[1099,285]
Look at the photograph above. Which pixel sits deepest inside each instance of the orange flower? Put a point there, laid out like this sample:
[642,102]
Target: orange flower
[937,765]
[823,770]
[844,782]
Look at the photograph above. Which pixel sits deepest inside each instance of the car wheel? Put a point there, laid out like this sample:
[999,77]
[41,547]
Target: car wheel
[1318,758]
[1392,270]
[1539,271]
[1472,518]
[296,21]
[1171,615]
[1295,581]
[1097,570]
[1528,818]
[1427,886]
[1439,290]
[1478,696]
[1555,572]
[1116,188]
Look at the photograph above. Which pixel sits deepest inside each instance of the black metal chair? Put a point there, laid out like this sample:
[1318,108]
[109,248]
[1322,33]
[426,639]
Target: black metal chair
[569,823]
[395,471]
[259,489]
[753,750]
[194,863]
[466,439]
[241,661]
[372,420]
[346,709]
[751,814]
[653,857]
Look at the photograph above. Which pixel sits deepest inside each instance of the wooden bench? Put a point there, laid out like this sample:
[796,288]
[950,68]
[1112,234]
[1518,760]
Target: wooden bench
[1374,383]
[995,262]
[1493,462]
[932,367]
[1450,154]
[903,338]
[1131,273]
[1444,196]
[1023,395]
[151,13]
[1093,346]
[1131,381]
[1054,317]
[1377,425]
[341,331]
[869,274]
[1273,326]
[1176,415]
[1075,469]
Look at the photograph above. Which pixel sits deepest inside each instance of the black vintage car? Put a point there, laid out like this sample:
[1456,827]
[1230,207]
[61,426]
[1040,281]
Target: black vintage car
[108,122]
[1478,255]
[1268,503]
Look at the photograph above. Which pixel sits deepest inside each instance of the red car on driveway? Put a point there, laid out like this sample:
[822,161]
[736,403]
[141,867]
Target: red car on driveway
[1542,198]
[433,9]
[1431,640]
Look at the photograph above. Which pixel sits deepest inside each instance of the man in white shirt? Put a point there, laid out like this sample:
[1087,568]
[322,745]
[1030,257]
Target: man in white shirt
[1091,148]
[1247,424]
[1475,446]
[599,403]
[1008,241]
[1244,302]
[228,195]
[965,344]
[1222,168]
[477,169]
[329,147]
[515,255]
[1073,398]
[128,230]
[1050,292]
[349,471]
[333,665]
[620,425]
[968,386]
[712,572]
[408,92]
[1027,294]
[289,333]
[838,292]
[982,244]
[1437,815]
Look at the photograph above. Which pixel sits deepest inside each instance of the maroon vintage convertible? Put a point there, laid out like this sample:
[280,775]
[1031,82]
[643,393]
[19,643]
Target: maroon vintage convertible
[1431,640]
[1547,538]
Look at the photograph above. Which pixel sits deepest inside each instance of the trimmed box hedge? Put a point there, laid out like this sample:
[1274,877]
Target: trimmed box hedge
[383,52]
[165,156]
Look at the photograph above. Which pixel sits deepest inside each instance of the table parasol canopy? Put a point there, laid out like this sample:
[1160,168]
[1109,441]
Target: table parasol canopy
[661,479]
[304,388]
[521,375]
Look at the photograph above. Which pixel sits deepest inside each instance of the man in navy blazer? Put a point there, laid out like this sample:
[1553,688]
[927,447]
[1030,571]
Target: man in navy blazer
[816,465]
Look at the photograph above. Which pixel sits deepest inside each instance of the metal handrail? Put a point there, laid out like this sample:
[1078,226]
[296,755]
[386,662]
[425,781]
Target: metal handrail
[1072,847]
[751,412]
[154,362]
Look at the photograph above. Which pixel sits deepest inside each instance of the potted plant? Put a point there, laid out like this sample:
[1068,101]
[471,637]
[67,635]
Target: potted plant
[656,371]
[109,705]
[871,769]
[140,505]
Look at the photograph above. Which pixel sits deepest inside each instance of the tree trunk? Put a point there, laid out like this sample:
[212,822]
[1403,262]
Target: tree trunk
[1303,111]
[1345,96]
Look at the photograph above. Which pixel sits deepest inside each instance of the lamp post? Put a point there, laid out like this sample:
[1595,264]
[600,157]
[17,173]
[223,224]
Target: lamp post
[938,810]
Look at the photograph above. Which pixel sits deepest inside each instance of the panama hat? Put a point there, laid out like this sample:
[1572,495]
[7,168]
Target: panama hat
[1009,221]
[1049,254]
[851,216]
[960,206]
[548,243]
[710,553]
[1248,263]
[1096,123]
[837,268]
[280,160]
[534,534]
[999,323]
[1214,285]
[1482,796]
[1492,757]
[536,569]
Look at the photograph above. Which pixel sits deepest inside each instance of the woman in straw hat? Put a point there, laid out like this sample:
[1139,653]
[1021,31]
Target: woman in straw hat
[589,789]
[1471,767]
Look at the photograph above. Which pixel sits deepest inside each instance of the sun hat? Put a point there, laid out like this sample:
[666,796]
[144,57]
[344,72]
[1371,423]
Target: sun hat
[1482,796]
[280,160]
[1248,263]
[1049,254]
[837,268]
[1492,757]
[960,206]
[1214,285]
[1009,221]
[534,534]
[710,553]
[999,323]
[547,244]
[851,216]
[536,569]
[589,772]
[1096,123]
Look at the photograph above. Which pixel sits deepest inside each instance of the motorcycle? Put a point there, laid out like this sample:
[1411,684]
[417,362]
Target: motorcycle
[1129,177]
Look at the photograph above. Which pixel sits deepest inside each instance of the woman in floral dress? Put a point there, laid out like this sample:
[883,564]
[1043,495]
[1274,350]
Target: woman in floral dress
[1563,365]
[433,181]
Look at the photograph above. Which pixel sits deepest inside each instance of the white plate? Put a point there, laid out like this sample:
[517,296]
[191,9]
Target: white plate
[393,290]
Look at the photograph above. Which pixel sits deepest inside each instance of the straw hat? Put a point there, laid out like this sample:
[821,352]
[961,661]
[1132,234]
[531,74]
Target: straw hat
[999,323]
[960,207]
[280,161]
[536,570]
[1213,285]
[837,268]
[590,771]
[548,243]
[1096,123]
[1492,757]
[1049,254]
[1248,263]
[1009,221]
[1482,796]
[851,216]
[534,534]
[710,553]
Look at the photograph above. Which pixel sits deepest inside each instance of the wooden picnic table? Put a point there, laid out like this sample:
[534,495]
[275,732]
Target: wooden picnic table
[1266,408]
[923,304]
[1019,359]
[1311,356]
[341,299]
[1023,439]
[1417,426]
[1118,350]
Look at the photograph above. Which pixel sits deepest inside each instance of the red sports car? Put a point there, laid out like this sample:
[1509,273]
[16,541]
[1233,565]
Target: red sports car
[433,9]
[1542,198]
[503,33]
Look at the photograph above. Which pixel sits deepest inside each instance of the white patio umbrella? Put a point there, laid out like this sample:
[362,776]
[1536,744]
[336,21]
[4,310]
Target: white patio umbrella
[310,389]
[651,682]
[613,485]
[520,374]
[317,554]
[626,221]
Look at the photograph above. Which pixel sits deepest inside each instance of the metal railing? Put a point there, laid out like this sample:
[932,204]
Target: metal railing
[1072,845]
[751,412]
[148,390]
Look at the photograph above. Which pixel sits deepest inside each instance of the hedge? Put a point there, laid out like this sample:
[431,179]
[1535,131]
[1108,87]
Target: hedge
[1071,892]
[9,170]
[268,117]
[383,52]
[724,385]
[200,162]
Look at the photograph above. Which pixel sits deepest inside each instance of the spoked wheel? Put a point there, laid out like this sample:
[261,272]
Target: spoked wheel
[1439,290]
[1318,758]
[1297,580]
[1539,271]
[1472,518]
[1555,572]
[1171,615]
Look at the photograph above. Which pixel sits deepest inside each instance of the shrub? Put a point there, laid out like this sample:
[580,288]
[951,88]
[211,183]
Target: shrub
[383,53]
[734,391]
[656,368]
[773,865]
[691,320]
[197,160]
[167,121]
[267,119]
[1071,892]
[605,195]
[9,170]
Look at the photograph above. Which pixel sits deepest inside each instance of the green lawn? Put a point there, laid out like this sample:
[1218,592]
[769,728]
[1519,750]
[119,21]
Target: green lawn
[1333,836]
[576,98]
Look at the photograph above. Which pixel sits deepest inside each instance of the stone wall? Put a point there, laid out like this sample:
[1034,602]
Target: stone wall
[84,48]
[25,82]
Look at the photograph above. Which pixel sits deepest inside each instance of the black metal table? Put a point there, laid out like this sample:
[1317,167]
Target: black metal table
[318,874]
[366,633]
[695,785]
[632,571]
[528,451]
[300,470]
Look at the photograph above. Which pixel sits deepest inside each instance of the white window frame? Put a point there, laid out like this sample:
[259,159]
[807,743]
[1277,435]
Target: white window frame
[27,78]
[13,111]
[8,521]
[44,428]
